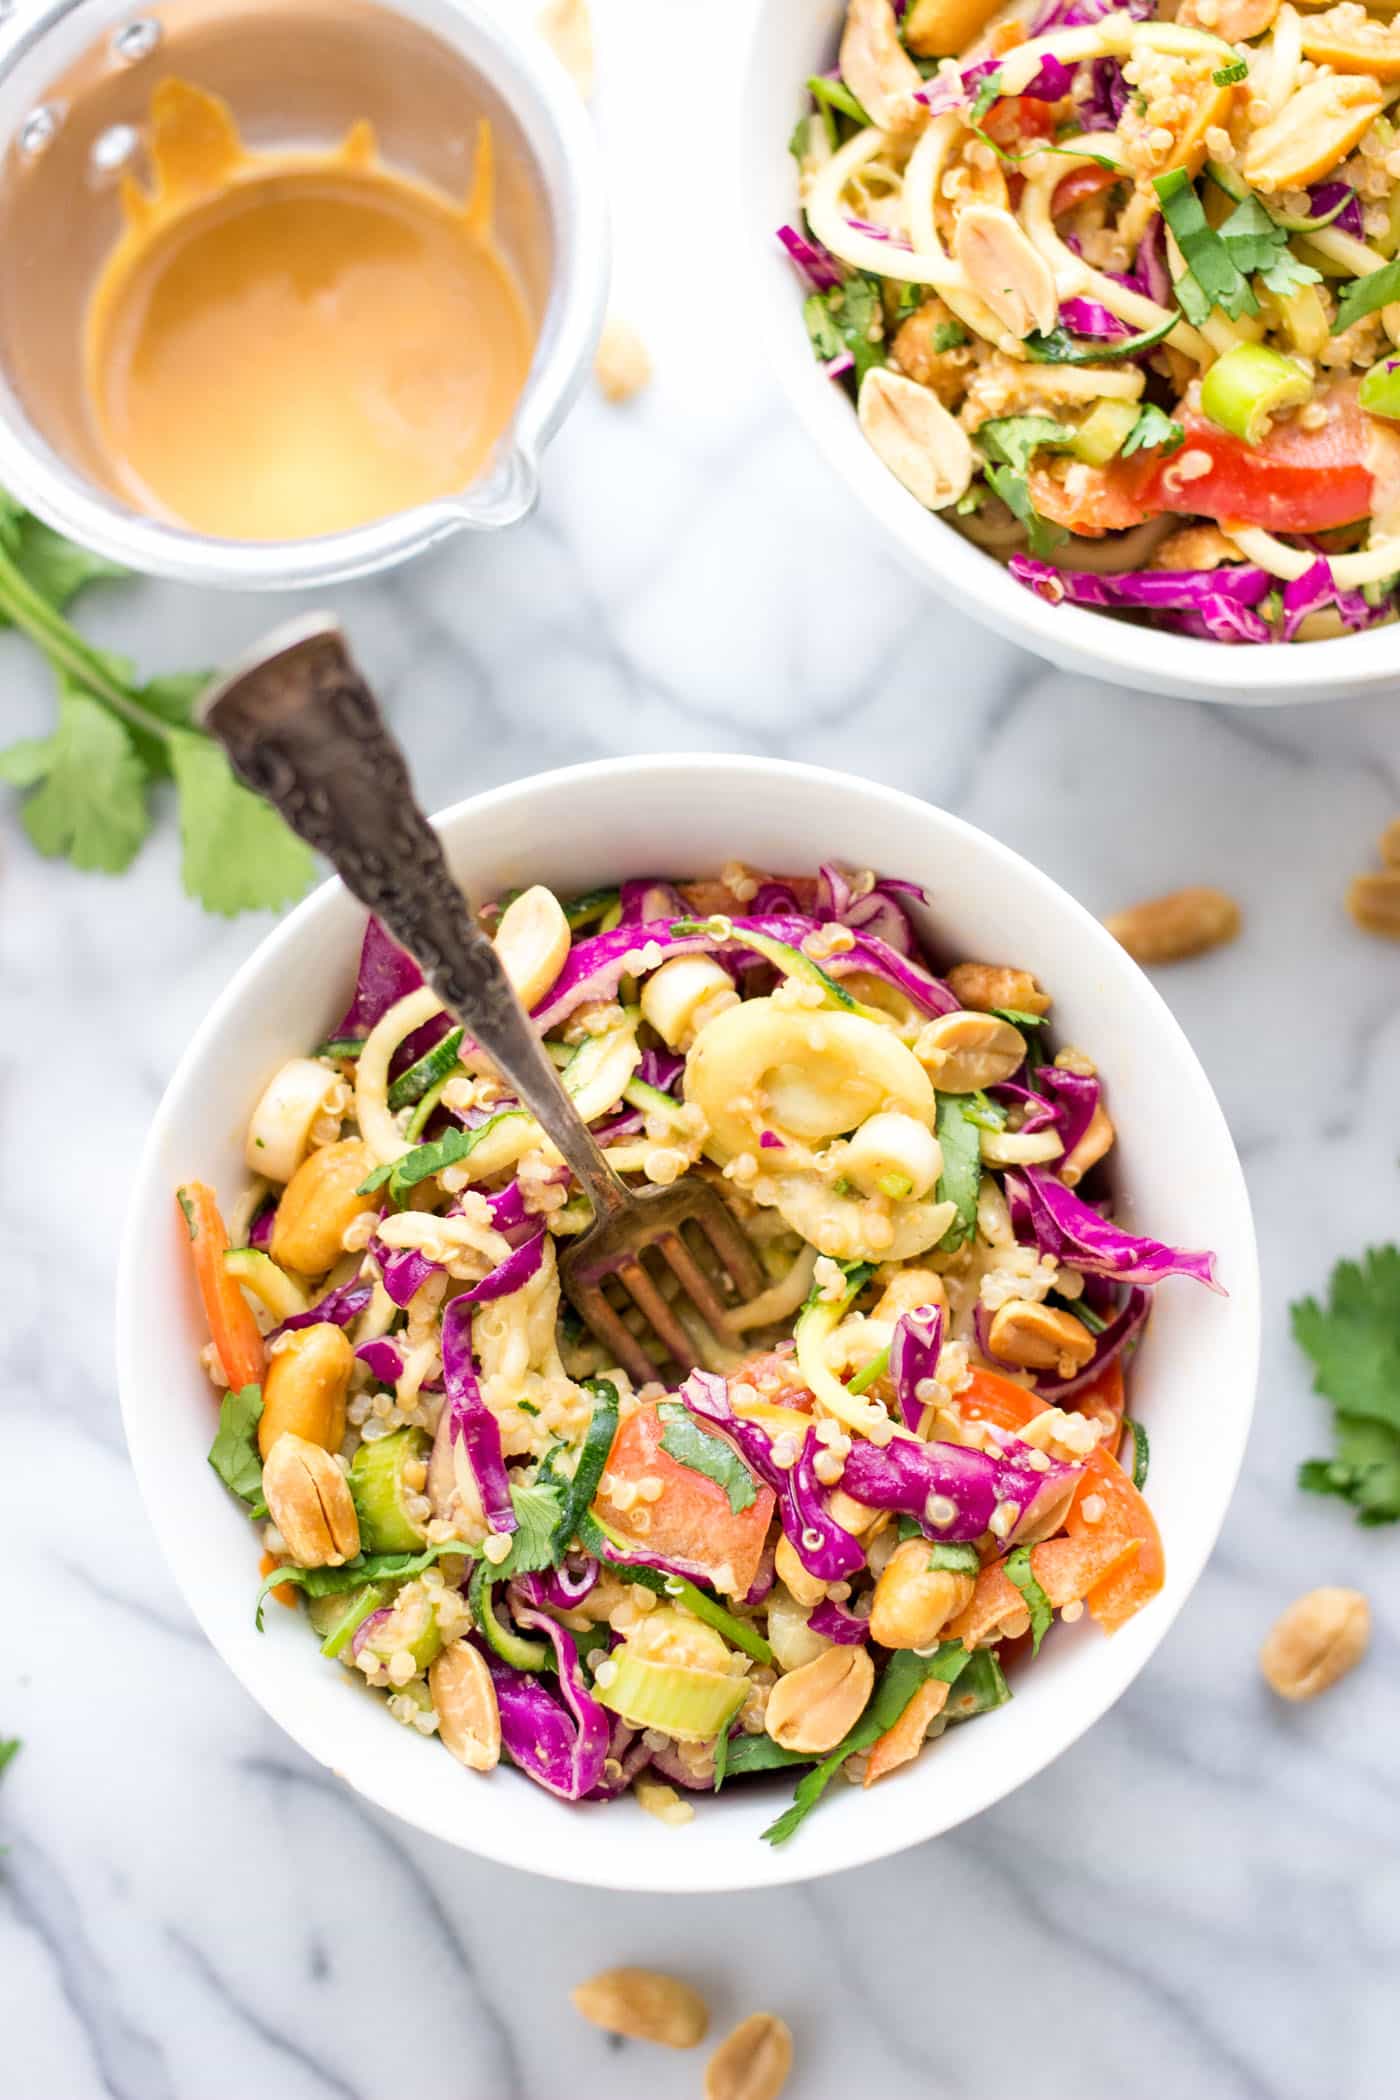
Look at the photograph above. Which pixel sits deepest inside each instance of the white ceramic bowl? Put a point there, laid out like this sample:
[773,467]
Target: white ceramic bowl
[1193,1382]
[788,41]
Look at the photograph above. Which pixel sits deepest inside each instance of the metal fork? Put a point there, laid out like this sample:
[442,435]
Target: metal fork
[301,727]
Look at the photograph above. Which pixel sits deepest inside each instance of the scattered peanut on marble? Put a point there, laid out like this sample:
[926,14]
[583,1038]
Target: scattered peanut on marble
[1316,1641]
[644,2004]
[753,2062]
[1171,928]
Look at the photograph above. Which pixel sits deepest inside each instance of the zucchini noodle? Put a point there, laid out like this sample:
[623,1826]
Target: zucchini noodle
[1141,344]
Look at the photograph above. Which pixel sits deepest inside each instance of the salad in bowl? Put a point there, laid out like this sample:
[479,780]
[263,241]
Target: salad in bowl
[844,1533]
[1114,287]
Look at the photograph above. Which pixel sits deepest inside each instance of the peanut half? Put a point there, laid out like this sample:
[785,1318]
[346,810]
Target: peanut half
[644,2004]
[1317,1640]
[469,1721]
[1374,902]
[753,2062]
[1183,923]
[988,986]
[814,1707]
[308,1499]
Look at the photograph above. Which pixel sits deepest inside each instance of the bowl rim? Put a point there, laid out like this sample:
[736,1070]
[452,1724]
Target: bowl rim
[1073,637]
[555,123]
[684,1874]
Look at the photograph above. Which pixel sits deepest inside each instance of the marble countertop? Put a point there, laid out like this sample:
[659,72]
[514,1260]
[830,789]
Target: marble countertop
[1202,1897]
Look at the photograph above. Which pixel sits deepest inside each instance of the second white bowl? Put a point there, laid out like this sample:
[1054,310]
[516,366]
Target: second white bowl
[788,41]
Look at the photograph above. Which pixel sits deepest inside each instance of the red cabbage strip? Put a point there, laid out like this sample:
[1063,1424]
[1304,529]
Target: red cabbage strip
[823,1546]
[1107,98]
[628,1751]
[1092,317]
[368,1626]
[670,1765]
[914,1354]
[1117,1337]
[1069,1111]
[1061,1224]
[642,902]
[765,1578]
[471,1421]
[1150,273]
[563,1751]
[952,1492]
[512,1274]
[404,1269]
[1220,619]
[384,1358]
[596,967]
[1051,84]
[338,1308]
[1078,14]
[1323,196]
[821,269]
[260,1232]
[561,1588]
[387,973]
[1184,590]
[835,1623]
[1316,589]
[661,1069]
[877,912]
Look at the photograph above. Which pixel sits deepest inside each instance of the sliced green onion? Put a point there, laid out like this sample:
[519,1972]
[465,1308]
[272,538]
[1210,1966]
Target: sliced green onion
[1228,75]
[895,1186]
[689,1704]
[341,1046]
[1380,389]
[1104,431]
[868,1373]
[834,94]
[1245,389]
[1366,295]
[1141,1451]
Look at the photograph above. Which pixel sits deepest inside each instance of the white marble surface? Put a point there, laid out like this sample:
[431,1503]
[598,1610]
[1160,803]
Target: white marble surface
[1201,1898]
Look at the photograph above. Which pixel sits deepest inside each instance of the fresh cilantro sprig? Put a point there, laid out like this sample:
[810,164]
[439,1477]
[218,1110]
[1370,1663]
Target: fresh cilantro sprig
[415,1166]
[87,786]
[365,1567]
[1154,430]
[1367,295]
[234,1453]
[683,1439]
[1019,1571]
[1221,261]
[961,1180]
[1007,443]
[1354,1344]
[849,317]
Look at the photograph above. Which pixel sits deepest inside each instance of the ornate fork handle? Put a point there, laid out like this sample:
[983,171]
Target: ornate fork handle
[301,727]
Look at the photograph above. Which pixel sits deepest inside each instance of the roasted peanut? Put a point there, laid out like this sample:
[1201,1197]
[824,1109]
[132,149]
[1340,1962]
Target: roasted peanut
[1390,843]
[1097,1140]
[964,1051]
[921,443]
[914,351]
[532,942]
[877,69]
[318,1203]
[1318,125]
[753,2062]
[1039,1338]
[469,1722]
[304,1388]
[1235,20]
[1374,902]
[1007,272]
[1317,1640]
[935,27]
[803,1588]
[855,1517]
[1195,547]
[567,27]
[1343,38]
[991,986]
[308,1499]
[1171,928]
[812,1708]
[620,363]
[914,1602]
[906,1291]
[645,2005]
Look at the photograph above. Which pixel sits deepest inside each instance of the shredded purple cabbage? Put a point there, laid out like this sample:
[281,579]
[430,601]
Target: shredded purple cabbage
[951,1491]
[1090,317]
[260,1231]
[562,1748]
[821,270]
[1107,98]
[823,1546]
[596,967]
[834,1623]
[338,1308]
[1052,1218]
[1315,590]
[385,1359]
[1179,590]
[387,973]
[512,1274]
[914,1354]
[648,899]
[562,1588]
[470,1421]
[1324,195]
[404,1269]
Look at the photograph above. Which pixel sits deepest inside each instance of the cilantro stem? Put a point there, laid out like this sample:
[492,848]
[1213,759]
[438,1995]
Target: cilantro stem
[67,651]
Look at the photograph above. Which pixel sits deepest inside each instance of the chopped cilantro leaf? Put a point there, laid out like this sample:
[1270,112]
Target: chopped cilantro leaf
[683,1439]
[1354,1344]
